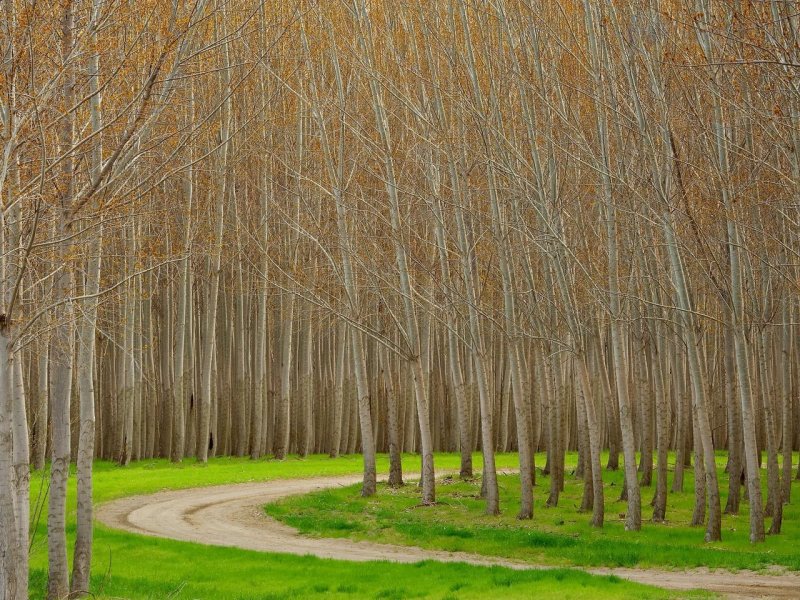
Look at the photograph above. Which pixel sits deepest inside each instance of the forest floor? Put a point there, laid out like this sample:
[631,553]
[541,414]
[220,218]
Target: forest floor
[136,566]
[330,506]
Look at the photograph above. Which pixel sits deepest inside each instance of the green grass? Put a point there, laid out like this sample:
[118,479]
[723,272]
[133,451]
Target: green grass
[134,566]
[558,536]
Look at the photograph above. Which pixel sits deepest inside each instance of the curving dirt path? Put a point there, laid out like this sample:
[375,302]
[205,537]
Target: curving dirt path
[232,515]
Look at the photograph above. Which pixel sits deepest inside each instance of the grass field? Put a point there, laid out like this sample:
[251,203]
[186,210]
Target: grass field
[556,536]
[133,566]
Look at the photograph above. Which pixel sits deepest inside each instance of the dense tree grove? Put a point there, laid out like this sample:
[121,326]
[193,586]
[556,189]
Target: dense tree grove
[233,227]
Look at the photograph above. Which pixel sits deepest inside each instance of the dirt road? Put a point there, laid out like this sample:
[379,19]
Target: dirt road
[232,515]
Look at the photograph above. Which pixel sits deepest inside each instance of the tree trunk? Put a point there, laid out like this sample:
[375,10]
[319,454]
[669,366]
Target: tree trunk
[393,425]
[204,440]
[63,341]
[13,566]
[82,558]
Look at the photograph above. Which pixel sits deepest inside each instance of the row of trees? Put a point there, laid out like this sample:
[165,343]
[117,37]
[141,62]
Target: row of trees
[245,229]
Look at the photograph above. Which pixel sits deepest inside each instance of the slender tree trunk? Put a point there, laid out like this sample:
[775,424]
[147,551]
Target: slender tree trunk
[392,417]
[699,511]
[14,551]
[338,390]
[681,420]
[261,372]
[786,398]
[662,428]
[555,445]
[40,417]
[82,559]
[82,555]
[204,439]
[282,427]
[735,467]
[13,566]
[774,490]
[63,341]
[306,386]
[598,505]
